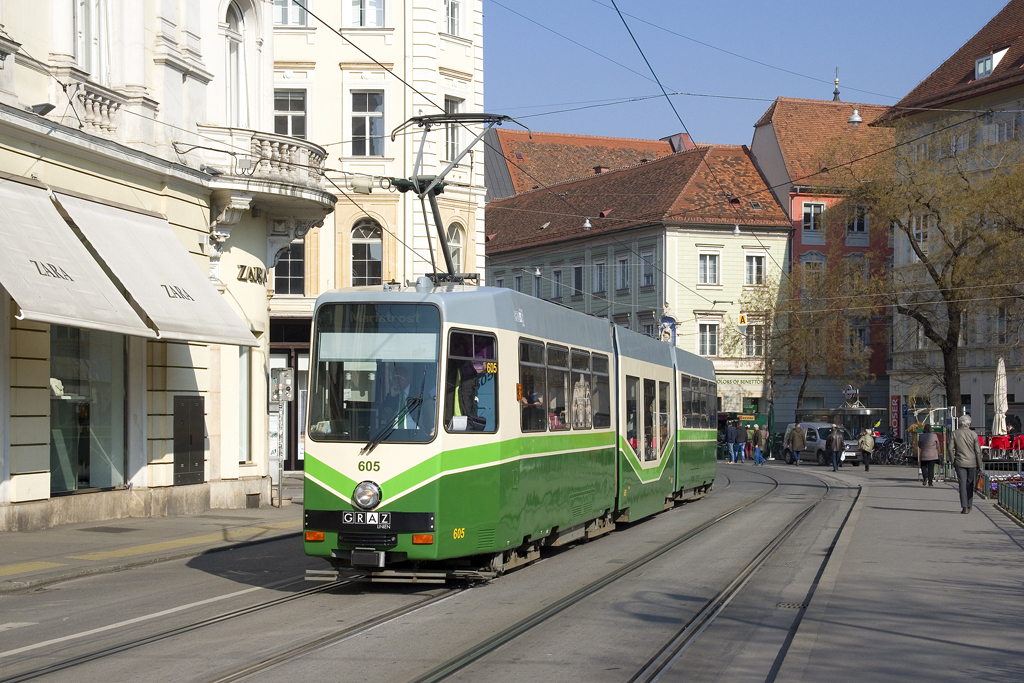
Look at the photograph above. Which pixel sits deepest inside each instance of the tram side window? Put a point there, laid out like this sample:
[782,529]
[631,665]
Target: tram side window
[632,413]
[695,402]
[702,407]
[650,409]
[581,406]
[532,386]
[684,401]
[471,380]
[558,387]
[600,400]
[663,423]
[712,404]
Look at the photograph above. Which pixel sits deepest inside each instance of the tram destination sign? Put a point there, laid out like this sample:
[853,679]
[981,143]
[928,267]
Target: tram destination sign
[346,520]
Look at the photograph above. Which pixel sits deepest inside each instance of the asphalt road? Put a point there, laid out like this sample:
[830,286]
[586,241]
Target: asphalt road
[607,636]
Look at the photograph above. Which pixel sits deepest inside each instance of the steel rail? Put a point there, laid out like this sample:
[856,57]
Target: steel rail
[493,643]
[163,635]
[332,638]
[663,660]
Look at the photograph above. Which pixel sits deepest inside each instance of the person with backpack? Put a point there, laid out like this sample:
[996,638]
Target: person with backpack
[834,444]
[866,444]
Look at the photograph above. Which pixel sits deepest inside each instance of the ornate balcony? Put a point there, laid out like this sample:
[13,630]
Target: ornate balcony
[266,156]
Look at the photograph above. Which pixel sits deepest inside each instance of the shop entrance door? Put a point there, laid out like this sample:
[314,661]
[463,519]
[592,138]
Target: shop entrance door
[189,440]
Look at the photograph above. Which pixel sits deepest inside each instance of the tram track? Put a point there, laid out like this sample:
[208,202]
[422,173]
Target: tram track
[164,635]
[486,647]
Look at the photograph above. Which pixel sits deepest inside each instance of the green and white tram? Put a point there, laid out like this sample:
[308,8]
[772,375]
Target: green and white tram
[455,430]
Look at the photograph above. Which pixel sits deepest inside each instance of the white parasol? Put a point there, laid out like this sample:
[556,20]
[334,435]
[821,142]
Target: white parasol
[999,399]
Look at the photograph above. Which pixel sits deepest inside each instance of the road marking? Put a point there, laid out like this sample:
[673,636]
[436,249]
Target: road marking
[11,625]
[226,535]
[27,567]
[146,617]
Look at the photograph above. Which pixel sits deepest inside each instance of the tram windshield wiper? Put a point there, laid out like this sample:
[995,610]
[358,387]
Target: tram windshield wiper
[411,404]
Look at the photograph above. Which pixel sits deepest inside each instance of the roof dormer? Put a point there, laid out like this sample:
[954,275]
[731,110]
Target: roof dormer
[984,66]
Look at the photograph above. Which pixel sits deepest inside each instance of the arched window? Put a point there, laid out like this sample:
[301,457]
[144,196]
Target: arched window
[237,109]
[367,253]
[455,245]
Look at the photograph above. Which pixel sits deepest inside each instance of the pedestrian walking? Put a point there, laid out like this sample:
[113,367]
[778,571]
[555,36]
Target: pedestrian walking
[730,442]
[834,444]
[758,441]
[797,442]
[741,441]
[966,461]
[866,444]
[928,446]
[750,441]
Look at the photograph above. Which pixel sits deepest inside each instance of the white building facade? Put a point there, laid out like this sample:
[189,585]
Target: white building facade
[144,199]
[346,74]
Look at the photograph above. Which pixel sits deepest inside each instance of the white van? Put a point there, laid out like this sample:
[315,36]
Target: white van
[816,433]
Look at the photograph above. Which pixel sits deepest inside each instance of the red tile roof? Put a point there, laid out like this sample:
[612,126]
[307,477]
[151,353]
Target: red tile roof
[709,184]
[556,157]
[954,80]
[805,128]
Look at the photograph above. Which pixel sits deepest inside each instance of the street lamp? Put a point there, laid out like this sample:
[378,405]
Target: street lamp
[855,119]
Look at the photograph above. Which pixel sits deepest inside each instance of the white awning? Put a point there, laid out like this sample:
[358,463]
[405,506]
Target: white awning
[143,252]
[48,271]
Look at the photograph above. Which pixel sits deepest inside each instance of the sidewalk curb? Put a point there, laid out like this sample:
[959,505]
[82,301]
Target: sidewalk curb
[798,654]
[8,587]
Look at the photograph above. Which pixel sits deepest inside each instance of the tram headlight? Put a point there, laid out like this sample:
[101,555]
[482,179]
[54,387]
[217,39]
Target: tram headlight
[366,495]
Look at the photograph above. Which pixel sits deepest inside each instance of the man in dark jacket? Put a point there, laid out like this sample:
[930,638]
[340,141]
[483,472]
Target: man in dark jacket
[967,462]
[834,444]
[741,442]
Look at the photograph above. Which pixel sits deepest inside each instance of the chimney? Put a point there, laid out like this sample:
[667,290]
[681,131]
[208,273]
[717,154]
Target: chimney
[598,170]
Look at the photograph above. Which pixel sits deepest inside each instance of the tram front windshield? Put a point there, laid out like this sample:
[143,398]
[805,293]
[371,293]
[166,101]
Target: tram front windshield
[374,374]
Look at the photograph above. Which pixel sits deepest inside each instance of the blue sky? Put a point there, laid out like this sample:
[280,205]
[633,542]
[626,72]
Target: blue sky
[883,49]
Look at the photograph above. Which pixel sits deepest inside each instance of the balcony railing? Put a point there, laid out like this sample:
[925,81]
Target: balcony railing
[256,154]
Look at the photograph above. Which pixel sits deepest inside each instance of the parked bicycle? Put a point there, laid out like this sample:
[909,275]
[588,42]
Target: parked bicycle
[892,452]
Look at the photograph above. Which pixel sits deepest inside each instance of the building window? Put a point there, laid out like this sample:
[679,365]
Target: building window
[556,283]
[499,282]
[455,245]
[517,283]
[244,410]
[622,273]
[368,13]
[755,340]
[87,409]
[237,110]
[708,343]
[92,32]
[755,270]
[600,279]
[577,280]
[647,268]
[368,124]
[813,272]
[919,225]
[451,130]
[858,223]
[451,14]
[707,270]
[814,216]
[289,13]
[1001,325]
[958,143]
[965,332]
[290,113]
[648,329]
[983,66]
[859,340]
[367,253]
[290,271]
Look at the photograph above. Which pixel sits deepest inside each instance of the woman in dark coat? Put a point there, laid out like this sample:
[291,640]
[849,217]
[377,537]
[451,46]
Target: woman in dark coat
[928,446]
